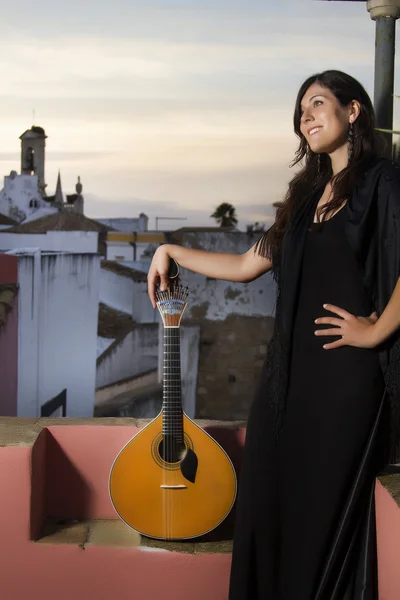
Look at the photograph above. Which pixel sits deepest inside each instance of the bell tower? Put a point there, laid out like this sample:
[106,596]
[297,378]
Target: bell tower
[33,143]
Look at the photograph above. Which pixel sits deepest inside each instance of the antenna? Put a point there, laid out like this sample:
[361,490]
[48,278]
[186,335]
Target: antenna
[33,116]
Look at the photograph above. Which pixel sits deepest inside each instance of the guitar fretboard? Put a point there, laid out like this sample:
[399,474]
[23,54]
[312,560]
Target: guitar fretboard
[172,397]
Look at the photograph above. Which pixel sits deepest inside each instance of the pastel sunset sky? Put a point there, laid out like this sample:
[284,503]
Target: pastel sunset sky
[171,107]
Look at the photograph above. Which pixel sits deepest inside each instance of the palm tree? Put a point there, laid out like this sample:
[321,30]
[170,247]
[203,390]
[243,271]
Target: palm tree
[225,215]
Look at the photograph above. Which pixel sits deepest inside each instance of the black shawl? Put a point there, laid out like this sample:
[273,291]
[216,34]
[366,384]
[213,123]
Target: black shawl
[373,230]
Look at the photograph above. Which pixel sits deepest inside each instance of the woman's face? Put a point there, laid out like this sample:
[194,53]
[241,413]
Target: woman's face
[324,121]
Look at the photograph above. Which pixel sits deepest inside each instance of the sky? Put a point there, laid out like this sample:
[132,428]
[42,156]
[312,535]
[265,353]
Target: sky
[171,107]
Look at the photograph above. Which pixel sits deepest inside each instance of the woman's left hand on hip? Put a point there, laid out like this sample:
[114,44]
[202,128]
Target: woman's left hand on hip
[353,331]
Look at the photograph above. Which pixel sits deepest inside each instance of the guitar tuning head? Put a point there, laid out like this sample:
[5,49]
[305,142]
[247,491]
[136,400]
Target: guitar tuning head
[172,302]
[175,291]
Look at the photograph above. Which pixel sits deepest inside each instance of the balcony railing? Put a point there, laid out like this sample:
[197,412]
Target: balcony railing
[51,406]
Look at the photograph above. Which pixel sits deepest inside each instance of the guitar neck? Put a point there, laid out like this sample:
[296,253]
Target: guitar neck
[172,396]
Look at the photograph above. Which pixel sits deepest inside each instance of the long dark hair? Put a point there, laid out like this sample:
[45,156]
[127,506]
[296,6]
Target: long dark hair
[310,178]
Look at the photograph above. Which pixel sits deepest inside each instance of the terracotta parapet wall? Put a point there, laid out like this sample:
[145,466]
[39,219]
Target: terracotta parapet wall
[70,460]
[56,519]
[24,432]
[17,431]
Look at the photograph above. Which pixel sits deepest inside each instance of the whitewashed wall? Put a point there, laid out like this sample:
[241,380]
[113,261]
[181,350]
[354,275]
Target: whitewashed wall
[17,193]
[119,251]
[141,248]
[216,299]
[136,353]
[116,291]
[131,297]
[58,313]
[124,251]
[54,241]
[142,309]
[29,333]
[102,344]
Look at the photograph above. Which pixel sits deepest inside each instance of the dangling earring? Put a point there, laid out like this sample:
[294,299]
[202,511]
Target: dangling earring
[350,143]
[318,163]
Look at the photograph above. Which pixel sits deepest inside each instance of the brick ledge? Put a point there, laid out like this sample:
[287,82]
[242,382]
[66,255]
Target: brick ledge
[115,533]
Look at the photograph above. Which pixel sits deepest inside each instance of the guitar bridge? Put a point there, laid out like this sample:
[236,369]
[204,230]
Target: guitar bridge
[174,487]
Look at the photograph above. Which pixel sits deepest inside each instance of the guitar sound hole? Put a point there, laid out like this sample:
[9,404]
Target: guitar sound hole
[171,450]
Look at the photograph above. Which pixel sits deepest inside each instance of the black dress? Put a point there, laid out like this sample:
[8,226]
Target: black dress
[305,520]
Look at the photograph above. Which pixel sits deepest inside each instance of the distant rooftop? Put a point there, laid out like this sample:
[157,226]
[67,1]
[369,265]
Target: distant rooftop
[4,220]
[33,132]
[232,228]
[60,221]
[111,265]
[113,323]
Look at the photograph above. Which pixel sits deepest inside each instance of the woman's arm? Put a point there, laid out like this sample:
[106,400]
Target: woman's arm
[218,265]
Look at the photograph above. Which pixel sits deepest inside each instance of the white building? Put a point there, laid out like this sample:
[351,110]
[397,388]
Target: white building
[56,327]
[136,248]
[60,232]
[24,196]
[20,196]
[139,224]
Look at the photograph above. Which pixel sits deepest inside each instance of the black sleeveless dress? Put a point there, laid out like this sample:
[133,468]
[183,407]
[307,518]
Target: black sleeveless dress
[305,515]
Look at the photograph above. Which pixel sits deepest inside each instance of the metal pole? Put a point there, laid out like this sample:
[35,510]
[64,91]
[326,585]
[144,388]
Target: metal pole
[385,42]
[385,13]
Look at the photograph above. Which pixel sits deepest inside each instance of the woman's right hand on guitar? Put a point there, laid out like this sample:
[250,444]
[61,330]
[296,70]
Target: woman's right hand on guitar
[216,265]
[158,272]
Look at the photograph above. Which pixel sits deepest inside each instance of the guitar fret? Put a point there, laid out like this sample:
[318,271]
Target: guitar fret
[172,400]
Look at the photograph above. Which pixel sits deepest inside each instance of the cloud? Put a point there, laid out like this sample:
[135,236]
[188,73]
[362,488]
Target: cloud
[157,69]
[202,21]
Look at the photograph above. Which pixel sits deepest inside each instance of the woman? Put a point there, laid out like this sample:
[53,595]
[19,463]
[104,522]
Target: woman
[325,419]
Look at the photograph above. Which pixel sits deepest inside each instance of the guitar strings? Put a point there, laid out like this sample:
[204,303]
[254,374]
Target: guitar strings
[172,422]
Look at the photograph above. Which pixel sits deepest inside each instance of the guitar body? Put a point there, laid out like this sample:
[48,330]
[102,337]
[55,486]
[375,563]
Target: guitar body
[172,496]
